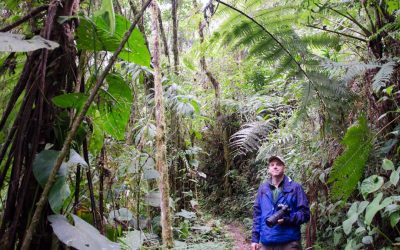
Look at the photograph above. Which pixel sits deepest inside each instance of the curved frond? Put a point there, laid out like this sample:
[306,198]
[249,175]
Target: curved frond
[250,136]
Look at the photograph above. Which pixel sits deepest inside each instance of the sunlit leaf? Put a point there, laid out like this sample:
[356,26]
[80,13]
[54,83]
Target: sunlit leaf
[122,214]
[371,184]
[149,174]
[80,236]
[186,214]
[95,35]
[134,239]
[15,43]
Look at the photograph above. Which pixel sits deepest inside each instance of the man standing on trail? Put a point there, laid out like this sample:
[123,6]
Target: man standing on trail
[283,204]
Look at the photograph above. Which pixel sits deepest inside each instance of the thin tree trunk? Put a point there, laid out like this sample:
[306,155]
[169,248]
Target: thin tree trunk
[164,38]
[175,50]
[161,151]
[90,185]
[102,164]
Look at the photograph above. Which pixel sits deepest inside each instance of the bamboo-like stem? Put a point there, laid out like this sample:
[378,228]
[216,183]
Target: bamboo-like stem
[71,134]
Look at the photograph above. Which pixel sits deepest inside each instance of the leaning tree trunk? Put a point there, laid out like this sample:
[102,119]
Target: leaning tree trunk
[161,151]
[222,132]
[45,75]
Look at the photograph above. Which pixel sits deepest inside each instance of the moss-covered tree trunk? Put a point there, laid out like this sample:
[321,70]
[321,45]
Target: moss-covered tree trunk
[161,150]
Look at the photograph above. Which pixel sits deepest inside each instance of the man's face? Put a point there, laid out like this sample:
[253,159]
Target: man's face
[276,168]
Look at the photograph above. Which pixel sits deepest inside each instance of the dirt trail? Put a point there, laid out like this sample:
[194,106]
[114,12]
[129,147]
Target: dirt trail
[237,233]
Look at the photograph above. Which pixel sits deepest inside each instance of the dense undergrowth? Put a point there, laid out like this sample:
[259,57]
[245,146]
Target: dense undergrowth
[314,81]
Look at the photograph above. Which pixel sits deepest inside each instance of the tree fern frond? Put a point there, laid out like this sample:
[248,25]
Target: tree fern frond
[354,69]
[272,146]
[284,65]
[348,71]
[320,40]
[250,136]
[276,11]
[382,78]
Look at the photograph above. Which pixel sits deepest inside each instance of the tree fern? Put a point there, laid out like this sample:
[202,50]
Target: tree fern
[270,147]
[382,78]
[348,168]
[354,69]
[250,136]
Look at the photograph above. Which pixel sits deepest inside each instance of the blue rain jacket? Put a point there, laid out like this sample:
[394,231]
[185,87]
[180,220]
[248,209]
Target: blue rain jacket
[292,194]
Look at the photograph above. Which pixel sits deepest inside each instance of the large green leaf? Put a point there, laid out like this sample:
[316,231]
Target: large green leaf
[115,113]
[80,236]
[135,49]
[42,167]
[150,173]
[134,239]
[107,13]
[43,164]
[348,168]
[70,100]
[95,35]
[122,214]
[58,194]
[91,37]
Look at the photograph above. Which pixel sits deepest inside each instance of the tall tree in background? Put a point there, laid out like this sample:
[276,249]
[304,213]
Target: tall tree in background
[161,150]
[175,49]
[222,132]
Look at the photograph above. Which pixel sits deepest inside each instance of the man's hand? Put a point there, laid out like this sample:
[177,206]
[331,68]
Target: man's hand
[280,221]
[255,246]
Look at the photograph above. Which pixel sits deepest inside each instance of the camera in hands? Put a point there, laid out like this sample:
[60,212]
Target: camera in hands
[279,214]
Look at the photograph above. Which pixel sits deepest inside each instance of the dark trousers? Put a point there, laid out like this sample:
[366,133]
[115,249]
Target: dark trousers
[287,246]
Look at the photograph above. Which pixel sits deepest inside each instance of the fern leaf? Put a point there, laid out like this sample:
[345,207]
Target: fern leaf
[273,146]
[383,76]
[348,168]
[250,136]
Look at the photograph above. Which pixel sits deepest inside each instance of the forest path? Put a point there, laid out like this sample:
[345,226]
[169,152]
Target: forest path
[236,231]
